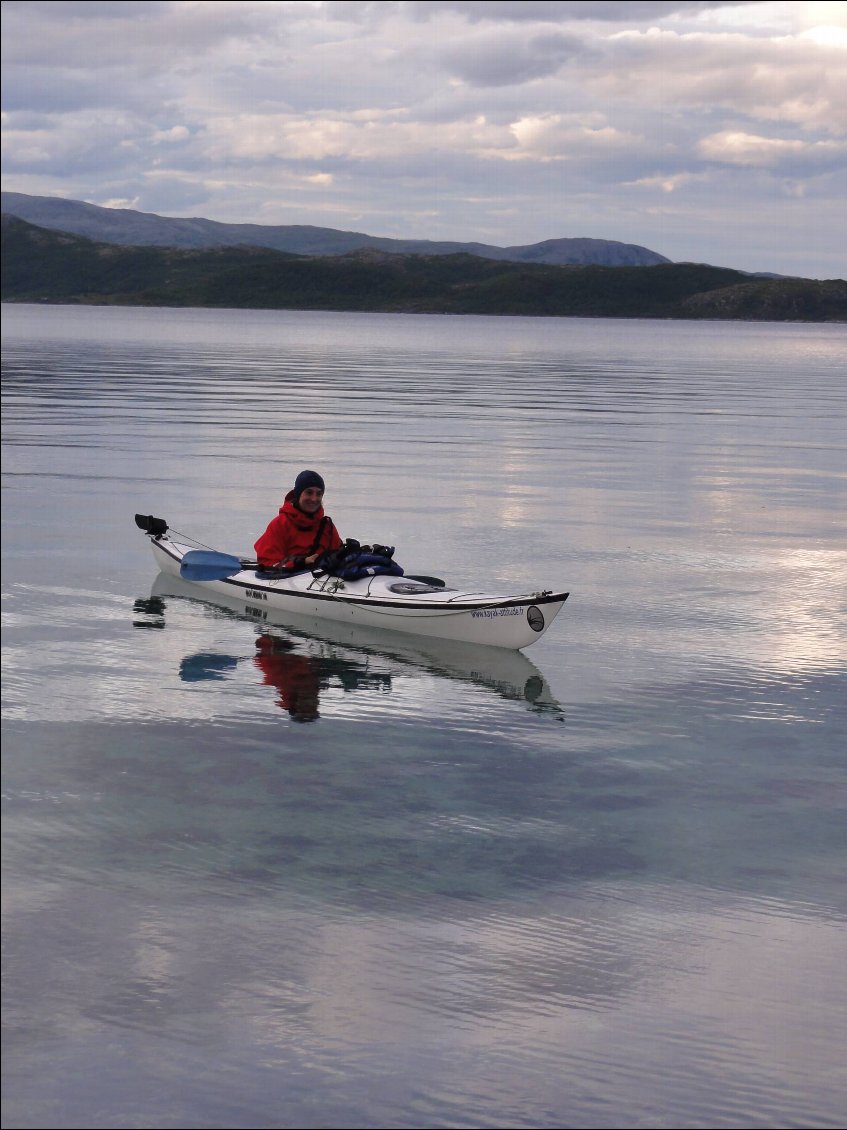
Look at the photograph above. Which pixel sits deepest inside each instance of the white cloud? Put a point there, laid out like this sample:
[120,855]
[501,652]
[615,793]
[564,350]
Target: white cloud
[559,137]
[669,183]
[174,134]
[737,148]
[609,11]
[827,35]
[367,135]
[779,79]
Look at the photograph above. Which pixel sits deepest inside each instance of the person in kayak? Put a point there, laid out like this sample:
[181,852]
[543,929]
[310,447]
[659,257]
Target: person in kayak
[301,532]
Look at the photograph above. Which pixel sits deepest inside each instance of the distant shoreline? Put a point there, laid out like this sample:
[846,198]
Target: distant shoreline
[118,305]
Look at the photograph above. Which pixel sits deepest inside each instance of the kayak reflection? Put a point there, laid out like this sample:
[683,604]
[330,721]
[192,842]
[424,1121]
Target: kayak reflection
[298,677]
[301,656]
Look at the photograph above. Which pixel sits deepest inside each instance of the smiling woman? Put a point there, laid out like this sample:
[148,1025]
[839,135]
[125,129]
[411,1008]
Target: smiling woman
[301,532]
[296,113]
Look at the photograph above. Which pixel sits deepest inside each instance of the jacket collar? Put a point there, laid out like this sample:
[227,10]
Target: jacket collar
[298,517]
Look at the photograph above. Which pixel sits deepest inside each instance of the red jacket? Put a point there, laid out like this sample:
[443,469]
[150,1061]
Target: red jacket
[295,534]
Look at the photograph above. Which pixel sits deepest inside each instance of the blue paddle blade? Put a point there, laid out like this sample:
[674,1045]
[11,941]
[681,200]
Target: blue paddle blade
[207,565]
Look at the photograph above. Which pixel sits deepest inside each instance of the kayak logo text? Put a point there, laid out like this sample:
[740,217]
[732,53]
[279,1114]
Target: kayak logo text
[487,613]
[255,594]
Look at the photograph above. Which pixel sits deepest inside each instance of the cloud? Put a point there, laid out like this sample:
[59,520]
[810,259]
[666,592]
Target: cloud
[84,142]
[732,147]
[774,80]
[559,137]
[173,135]
[364,136]
[382,136]
[500,58]
[100,10]
[505,122]
[607,11]
[669,183]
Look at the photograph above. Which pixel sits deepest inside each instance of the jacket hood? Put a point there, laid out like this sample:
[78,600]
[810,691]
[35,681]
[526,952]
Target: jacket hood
[298,517]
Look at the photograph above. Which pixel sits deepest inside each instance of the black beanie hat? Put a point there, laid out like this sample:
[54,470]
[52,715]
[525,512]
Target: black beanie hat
[305,480]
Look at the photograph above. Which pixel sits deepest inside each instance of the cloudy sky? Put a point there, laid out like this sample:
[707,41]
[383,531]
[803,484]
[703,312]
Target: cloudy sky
[712,132]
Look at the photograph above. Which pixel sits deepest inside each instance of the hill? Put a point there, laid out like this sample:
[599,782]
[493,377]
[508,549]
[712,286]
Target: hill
[48,266]
[126,227]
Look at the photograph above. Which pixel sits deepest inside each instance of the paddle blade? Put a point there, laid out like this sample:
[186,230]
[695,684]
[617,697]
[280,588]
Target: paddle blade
[207,565]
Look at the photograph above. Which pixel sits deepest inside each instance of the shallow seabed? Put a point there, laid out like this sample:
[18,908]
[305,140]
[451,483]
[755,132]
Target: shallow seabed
[264,873]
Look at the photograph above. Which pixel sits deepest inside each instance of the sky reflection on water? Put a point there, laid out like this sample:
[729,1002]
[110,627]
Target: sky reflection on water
[342,881]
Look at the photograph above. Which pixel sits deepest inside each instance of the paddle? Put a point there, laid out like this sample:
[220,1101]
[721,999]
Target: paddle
[207,565]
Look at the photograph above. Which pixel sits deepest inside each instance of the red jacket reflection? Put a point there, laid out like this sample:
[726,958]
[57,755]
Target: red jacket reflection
[292,534]
[295,677]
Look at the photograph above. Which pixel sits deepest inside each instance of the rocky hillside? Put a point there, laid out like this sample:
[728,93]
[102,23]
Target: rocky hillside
[129,228]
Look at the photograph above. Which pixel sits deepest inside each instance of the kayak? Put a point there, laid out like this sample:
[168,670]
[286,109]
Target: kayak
[424,606]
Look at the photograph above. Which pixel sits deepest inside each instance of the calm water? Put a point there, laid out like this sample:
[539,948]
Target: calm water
[358,882]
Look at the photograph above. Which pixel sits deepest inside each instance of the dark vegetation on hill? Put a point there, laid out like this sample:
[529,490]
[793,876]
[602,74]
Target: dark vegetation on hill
[49,266]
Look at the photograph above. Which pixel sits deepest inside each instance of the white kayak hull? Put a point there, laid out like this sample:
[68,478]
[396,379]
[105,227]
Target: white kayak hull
[394,603]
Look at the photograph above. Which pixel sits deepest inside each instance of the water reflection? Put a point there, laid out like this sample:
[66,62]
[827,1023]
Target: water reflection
[204,665]
[298,678]
[301,656]
[434,904]
[150,612]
